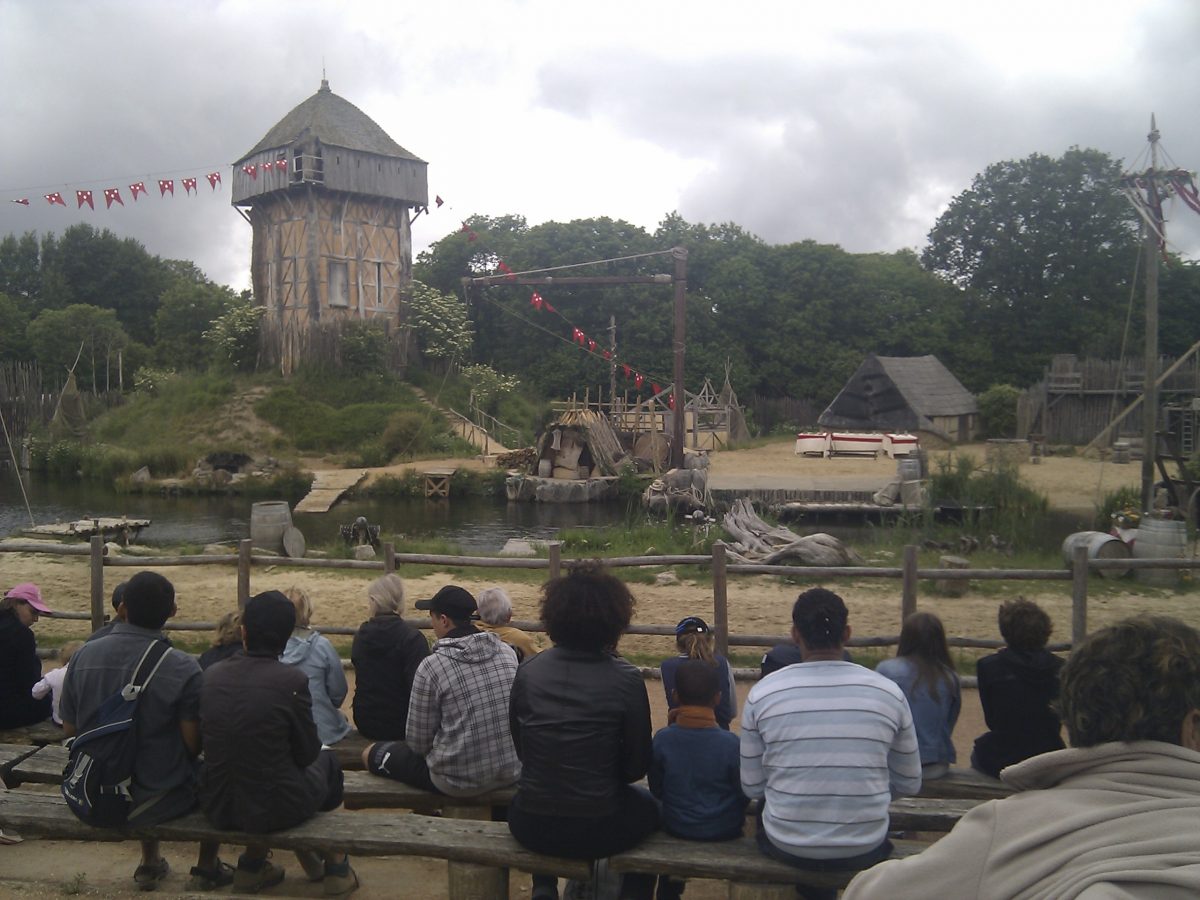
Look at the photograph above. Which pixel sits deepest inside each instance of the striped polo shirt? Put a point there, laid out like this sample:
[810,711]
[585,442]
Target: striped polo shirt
[828,744]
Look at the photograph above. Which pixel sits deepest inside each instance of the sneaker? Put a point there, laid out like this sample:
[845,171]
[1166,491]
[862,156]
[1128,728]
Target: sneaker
[205,879]
[312,864]
[147,876]
[250,878]
[340,878]
[10,837]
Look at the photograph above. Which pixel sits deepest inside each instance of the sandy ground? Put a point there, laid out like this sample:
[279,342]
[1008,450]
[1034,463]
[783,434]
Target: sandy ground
[757,605]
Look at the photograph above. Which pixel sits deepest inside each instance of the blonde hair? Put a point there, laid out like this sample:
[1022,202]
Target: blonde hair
[67,650]
[495,606]
[304,607]
[696,646]
[386,594]
[229,629]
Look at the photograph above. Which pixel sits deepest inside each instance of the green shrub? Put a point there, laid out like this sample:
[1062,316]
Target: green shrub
[993,499]
[998,411]
[1124,500]
[409,431]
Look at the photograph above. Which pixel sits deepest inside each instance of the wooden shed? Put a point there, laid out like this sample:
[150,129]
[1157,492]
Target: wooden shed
[898,393]
[330,198]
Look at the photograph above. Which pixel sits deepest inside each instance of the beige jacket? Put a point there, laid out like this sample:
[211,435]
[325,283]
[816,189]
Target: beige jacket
[1112,822]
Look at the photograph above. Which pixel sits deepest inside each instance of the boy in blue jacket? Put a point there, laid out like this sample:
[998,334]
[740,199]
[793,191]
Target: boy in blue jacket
[694,771]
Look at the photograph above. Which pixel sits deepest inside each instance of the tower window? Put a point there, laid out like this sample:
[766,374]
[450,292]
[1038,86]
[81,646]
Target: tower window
[339,284]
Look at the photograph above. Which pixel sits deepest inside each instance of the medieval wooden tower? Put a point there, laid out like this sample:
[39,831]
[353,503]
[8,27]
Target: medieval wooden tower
[328,194]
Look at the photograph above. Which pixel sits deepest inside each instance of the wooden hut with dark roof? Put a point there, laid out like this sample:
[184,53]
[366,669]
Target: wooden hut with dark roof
[898,393]
[329,195]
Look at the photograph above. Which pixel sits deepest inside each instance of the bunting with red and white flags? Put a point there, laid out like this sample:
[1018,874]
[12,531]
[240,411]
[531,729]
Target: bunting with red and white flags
[438,201]
[138,187]
[82,197]
[56,197]
[24,201]
[189,185]
[166,186]
[214,178]
[111,196]
[252,170]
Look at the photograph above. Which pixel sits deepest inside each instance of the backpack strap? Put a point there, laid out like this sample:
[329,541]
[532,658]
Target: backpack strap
[155,653]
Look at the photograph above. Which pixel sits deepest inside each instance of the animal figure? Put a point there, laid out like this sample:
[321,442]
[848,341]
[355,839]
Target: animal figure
[360,532]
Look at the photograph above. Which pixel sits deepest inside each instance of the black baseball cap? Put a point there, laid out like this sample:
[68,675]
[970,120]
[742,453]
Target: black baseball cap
[452,601]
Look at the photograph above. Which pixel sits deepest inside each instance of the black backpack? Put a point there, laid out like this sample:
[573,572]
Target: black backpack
[101,758]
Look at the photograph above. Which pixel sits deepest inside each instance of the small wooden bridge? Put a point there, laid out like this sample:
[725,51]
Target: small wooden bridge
[327,488]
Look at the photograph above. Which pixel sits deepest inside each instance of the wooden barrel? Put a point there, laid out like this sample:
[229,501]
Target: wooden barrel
[269,519]
[1160,539]
[909,468]
[1099,546]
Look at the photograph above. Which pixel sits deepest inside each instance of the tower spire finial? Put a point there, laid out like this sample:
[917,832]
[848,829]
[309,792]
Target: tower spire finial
[324,80]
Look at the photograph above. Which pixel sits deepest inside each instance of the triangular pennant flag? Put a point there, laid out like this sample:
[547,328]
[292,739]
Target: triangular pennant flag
[591,346]
[111,196]
[82,197]
[671,400]
[281,165]
[166,186]
[56,197]
[550,308]
[439,201]
[189,185]
[654,388]
[536,300]
[607,354]
[625,368]
[637,380]
[24,201]
[214,178]
[252,170]
[136,188]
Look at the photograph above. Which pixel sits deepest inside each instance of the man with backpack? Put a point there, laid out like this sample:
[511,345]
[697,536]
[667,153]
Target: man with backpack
[165,730]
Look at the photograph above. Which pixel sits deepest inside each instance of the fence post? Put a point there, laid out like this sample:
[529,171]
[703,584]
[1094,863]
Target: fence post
[555,548]
[908,588]
[1079,592]
[97,572]
[389,557]
[720,597]
[244,546]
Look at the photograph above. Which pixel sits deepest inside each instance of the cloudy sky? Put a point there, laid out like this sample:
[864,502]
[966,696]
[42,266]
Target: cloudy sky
[850,123]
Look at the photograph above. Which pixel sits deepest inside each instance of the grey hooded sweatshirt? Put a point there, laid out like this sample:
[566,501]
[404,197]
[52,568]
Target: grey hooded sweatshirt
[315,656]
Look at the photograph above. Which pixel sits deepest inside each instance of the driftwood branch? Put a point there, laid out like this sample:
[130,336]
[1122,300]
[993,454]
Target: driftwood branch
[757,542]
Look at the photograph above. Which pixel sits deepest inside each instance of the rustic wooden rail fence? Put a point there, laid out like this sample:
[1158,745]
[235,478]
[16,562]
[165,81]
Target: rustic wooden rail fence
[908,573]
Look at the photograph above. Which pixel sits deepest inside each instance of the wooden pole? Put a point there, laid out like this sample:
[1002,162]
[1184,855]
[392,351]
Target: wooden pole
[243,587]
[680,340]
[97,573]
[389,557]
[720,598]
[555,549]
[908,581]
[1150,363]
[1079,593]
[473,881]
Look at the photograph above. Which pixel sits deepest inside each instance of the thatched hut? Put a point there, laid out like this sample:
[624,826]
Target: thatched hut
[578,445]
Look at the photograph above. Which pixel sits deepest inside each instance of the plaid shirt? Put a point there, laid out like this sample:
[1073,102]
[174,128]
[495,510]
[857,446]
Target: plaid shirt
[458,714]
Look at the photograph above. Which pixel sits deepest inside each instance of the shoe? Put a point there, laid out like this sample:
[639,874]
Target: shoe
[147,876]
[205,879]
[312,864]
[249,878]
[10,838]
[340,878]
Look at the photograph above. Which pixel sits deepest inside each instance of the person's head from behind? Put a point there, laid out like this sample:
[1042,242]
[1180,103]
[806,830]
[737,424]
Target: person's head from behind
[229,629]
[697,684]
[303,604]
[1024,625]
[819,621]
[385,596]
[67,650]
[149,600]
[267,622]
[586,609]
[495,606]
[1138,680]
[694,639]
[118,601]
[923,640]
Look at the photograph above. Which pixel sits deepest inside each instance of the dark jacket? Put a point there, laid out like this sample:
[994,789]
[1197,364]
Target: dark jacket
[20,670]
[259,737]
[581,724]
[1016,689]
[385,653]
[214,655]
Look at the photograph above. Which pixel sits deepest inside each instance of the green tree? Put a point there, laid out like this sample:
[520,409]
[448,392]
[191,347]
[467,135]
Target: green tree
[998,411]
[232,339]
[92,335]
[20,269]
[187,310]
[13,323]
[441,323]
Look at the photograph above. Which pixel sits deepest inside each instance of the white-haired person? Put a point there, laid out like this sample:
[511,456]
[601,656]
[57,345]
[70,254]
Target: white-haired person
[495,614]
[386,653]
[312,653]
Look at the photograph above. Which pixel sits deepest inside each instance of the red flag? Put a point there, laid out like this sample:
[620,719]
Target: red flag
[166,185]
[281,165]
[536,300]
[439,201]
[471,237]
[607,354]
[136,187]
[655,388]
[465,227]
[111,196]
[214,178]
[82,197]
[252,170]
[591,346]
[24,201]
[625,368]
[671,400]
[56,197]
[637,380]
[189,185]
[578,336]
[550,308]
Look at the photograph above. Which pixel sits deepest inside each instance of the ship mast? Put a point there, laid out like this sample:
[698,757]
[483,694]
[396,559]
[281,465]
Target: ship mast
[1154,238]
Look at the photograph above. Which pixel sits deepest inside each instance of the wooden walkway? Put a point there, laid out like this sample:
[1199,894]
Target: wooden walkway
[327,488]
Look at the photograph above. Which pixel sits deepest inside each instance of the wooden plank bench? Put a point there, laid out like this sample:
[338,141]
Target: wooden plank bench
[40,734]
[11,755]
[40,765]
[967,784]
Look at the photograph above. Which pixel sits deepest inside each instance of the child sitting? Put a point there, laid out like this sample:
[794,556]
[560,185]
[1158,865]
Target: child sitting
[52,681]
[695,767]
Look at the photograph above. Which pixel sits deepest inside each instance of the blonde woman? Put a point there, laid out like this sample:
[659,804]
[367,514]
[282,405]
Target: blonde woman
[694,640]
[226,642]
[315,656]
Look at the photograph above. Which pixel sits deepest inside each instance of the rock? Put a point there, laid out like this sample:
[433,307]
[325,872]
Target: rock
[364,551]
[112,548]
[141,476]
[221,477]
[666,578]
[515,547]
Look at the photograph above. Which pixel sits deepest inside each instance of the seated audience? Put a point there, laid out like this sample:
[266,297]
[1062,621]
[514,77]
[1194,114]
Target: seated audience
[694,640]
[386,652]
[495,614]
[694,772]
[118,614]
[52,682]
[20,668]
[826,745]
[264,768]
[1016,687]
[312,653]
[581,722]
[457,739]
[226,642]
[925,673]
[168,727]
[1114,816]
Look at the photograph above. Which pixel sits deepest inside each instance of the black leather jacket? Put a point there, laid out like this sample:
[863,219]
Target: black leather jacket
[581,724]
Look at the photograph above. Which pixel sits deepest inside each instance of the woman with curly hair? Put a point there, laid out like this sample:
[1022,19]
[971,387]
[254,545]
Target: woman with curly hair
[1016,689]
[580,719]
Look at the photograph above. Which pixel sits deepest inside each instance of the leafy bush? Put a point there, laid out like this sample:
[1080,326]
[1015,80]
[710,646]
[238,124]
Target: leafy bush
[998,411]
[1123,501]
[364,348]
[990,498]
[233,336]
[409,431]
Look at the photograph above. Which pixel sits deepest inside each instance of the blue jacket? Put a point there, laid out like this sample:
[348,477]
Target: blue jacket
[695,773]
[726,708]
[933,717]
[315,656]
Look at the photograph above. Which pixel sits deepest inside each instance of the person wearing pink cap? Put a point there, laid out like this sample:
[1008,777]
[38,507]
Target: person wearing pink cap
[20,668]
